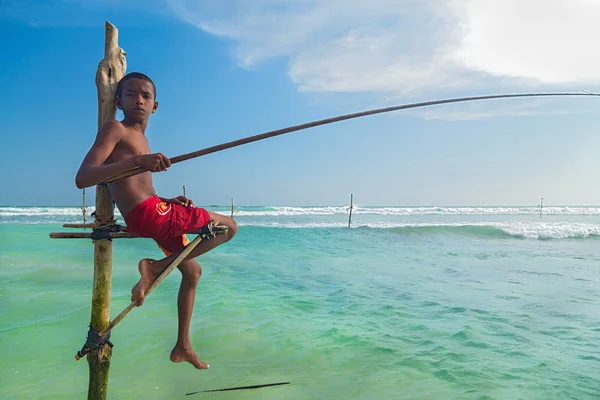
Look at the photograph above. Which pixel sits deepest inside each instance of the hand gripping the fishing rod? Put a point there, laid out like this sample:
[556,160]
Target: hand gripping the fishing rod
[156,162]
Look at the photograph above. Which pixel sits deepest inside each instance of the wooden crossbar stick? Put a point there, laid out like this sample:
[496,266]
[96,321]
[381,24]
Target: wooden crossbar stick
[88,235]
[68,225]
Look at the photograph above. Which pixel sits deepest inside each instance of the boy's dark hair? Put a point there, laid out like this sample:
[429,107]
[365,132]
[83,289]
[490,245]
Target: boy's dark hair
[132,75]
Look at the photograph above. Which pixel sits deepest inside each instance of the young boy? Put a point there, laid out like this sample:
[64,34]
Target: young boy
[121,146]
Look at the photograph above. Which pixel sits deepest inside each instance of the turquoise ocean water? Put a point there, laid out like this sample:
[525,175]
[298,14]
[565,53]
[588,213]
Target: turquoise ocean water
[410,303]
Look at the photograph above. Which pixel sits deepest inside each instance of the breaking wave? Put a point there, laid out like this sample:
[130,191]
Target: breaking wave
[316,217]
[508,230]
[517,230]
[325,210]
[406,211]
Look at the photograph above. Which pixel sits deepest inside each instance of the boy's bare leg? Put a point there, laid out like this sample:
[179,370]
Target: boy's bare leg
[191,272]
[151,269]
[183,351]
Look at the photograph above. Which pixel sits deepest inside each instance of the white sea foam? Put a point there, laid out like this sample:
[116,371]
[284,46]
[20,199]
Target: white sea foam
[294,211]
[406,211]
[326,210]
[45,211]
[263,219]
[525,230]
[550,231]
[391,218]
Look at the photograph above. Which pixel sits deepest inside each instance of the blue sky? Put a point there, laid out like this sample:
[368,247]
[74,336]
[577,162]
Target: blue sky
[230,69]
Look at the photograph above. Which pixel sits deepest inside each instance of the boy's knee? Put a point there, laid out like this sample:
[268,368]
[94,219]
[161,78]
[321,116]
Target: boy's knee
[232,226]
[191,271]
[194,276]
[232,229]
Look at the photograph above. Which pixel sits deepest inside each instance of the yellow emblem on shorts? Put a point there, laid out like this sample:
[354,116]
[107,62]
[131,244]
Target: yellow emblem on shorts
[162,208]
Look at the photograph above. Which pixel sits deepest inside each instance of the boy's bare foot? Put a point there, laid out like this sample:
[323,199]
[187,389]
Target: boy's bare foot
[148,274]
[179,354]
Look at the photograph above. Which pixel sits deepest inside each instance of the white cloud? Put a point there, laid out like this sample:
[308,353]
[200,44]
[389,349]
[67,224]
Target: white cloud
[400,46]
[333,45]
[546,41]
[367,62]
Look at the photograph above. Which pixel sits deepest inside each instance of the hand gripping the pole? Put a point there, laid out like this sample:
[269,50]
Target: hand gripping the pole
[98,339]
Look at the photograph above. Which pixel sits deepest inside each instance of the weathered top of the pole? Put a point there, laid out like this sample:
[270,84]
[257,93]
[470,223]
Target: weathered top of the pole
[111,41]
[110,71]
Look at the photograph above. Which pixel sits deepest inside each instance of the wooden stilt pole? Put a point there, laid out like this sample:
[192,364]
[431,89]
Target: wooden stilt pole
[351,206]
[184,191]
[232,209]
[110,70]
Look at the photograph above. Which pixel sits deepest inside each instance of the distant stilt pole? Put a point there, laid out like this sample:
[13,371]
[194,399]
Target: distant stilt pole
[184,191]
[83,208]
[232,210]
[541,206]
[351,207]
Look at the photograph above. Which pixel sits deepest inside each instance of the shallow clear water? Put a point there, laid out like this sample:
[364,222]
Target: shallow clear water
[437,303]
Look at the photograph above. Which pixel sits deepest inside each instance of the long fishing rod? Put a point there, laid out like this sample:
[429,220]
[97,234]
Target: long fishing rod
[266,135]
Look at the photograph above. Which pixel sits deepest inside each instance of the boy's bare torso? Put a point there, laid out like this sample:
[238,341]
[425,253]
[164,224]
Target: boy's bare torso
[129,192]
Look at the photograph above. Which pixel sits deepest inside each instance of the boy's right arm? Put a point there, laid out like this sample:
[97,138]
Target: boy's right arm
[92,171]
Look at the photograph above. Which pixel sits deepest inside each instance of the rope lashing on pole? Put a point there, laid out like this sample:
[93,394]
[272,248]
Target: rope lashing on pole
[102,229]
[266,135]
[96,339]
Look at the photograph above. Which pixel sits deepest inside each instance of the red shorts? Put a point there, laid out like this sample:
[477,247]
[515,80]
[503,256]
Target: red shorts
[166,223]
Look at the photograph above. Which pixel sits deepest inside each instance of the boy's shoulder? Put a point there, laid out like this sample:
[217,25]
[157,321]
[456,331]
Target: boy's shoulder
[113,124]
[110,134]
[112,129]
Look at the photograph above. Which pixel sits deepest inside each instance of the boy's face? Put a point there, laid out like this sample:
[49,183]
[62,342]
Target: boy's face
[137,99]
